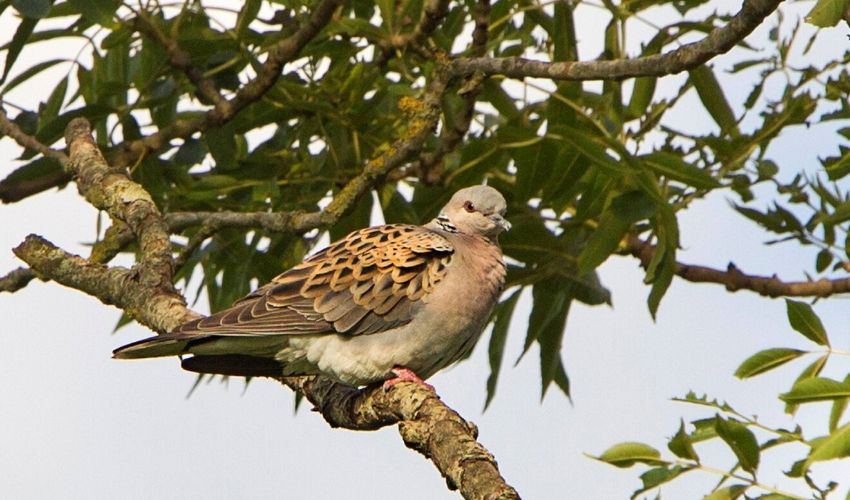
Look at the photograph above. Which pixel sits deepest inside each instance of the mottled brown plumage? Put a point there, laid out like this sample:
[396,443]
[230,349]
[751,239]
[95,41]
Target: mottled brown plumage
[393,286]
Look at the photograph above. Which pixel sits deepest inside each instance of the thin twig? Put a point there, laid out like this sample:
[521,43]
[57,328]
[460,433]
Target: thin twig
[15,190]
[734,279]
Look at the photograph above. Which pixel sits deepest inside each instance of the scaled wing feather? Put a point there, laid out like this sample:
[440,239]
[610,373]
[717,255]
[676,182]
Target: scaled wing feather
[366,283]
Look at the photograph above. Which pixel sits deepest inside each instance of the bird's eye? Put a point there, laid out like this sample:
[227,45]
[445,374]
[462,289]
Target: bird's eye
[468,206]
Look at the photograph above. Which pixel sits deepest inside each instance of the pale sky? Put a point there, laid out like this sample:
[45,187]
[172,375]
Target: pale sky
[77,424]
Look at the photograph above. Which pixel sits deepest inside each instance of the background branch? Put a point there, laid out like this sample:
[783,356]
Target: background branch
[734,279]
[689,56]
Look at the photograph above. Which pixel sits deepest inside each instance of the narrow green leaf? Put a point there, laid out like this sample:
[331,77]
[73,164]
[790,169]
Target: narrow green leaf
[836,445]
[616,220]
[629,453]
[681,444]
[33,9]
[657,476]
[714,100]
[246,16]
[740,440]
[727,493]
[30,72]
[55,101]
[816,389]
[675,168]
[496,350]
[837,411]
[590,147]
[827,13]
[96,11]
[802,318]
[766,360]
[813,370]
[19,39]
[663,265]
[823,260]
[641,98]
[561,379]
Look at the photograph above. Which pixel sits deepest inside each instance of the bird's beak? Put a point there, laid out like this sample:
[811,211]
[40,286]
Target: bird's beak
[501,222]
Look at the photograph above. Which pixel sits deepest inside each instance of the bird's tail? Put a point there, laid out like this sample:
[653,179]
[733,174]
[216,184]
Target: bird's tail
[155,347]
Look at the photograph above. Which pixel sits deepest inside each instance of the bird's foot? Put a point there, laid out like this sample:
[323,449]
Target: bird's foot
[401,374]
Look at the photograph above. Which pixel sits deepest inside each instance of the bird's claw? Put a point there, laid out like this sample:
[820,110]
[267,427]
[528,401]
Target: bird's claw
[405,374]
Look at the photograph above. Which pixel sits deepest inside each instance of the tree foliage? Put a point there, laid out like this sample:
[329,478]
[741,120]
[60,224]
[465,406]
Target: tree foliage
[257,128]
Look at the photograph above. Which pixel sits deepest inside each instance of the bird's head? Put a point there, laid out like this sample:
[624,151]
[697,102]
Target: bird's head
[478,210]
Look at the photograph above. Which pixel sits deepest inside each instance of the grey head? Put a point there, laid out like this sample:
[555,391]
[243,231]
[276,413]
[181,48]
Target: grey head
[478,210]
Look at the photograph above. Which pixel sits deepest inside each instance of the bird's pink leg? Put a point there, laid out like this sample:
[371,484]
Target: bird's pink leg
[402,373]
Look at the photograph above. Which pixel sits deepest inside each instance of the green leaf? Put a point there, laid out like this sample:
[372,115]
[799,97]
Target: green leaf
[96,11]
[546,323]
[827,13]
[740,440]
[675,168]
[657,476]
[714,100]
[728,493]
[33,9]
[55,101]
[496,351]
[663,265]
[823,260]
[41,167]
[816,389]
[813,370]
[681,444]
[629,453]
[766,360]
[30,72]
[19,39]
[616,220]
[802,318]
[246,15]
[591,147]
[836,445]
[838,408]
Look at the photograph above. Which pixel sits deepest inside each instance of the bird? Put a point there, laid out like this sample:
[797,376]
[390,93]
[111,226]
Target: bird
[383,304]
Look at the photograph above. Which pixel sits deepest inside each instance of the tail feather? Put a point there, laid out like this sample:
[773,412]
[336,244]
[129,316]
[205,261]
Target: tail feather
[155,347]
[240,365]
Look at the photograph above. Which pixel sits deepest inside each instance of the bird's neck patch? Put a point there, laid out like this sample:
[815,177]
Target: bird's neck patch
[445,224]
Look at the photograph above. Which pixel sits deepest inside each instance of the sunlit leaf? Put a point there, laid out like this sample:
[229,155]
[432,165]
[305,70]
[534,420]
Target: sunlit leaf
[766,360]
[803,319]
[816,389]
[741,441]
[630,453]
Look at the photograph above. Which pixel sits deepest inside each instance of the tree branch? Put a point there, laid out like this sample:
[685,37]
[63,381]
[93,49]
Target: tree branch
[425,423]
[11,129]
[451,137]
[12,191]
[433,14]
[689,56]
[148,304]
[16,279]
[180,60]
[734,279]
[112,190]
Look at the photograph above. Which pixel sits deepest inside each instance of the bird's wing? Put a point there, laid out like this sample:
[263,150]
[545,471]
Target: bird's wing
[366,283]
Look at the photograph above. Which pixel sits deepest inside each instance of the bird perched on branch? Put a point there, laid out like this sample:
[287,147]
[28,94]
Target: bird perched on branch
[386,303]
